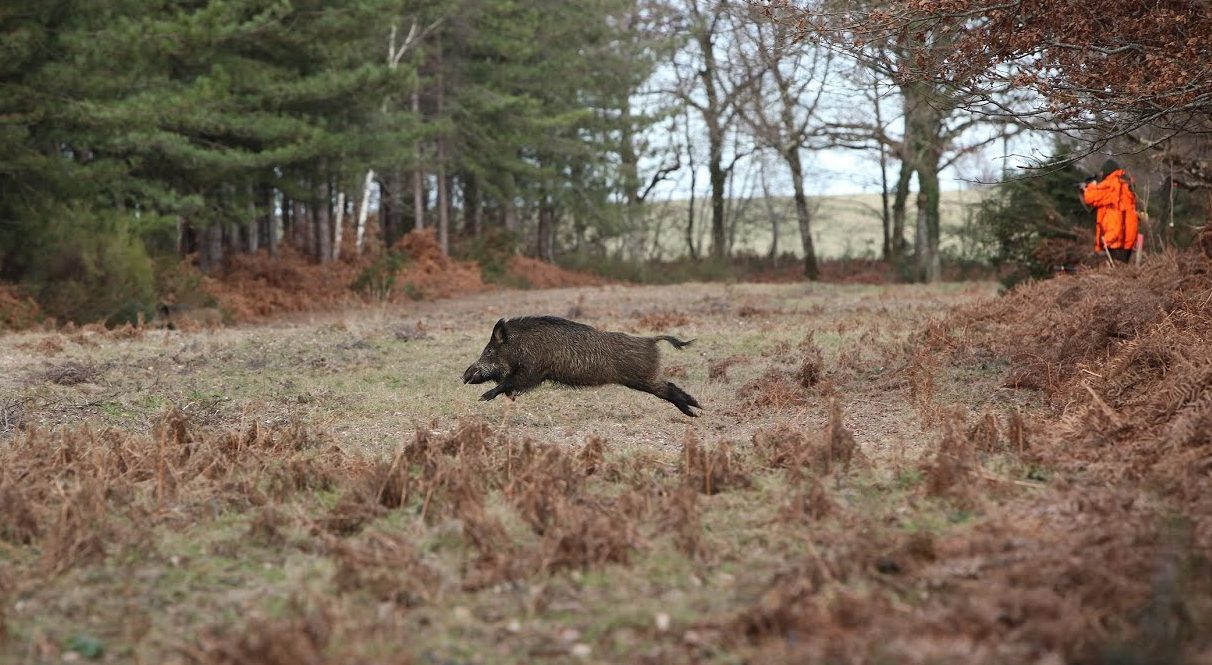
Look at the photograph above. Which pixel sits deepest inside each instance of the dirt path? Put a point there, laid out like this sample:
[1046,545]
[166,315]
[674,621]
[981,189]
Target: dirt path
[372,375]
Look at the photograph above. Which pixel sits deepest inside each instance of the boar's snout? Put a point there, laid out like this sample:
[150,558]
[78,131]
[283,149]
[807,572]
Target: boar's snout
[479,373]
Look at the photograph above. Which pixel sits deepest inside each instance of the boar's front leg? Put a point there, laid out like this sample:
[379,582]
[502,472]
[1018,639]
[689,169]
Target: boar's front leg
[491,394]
[511,386]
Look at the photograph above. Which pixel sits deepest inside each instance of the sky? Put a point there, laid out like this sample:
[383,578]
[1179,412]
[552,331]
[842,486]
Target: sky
[833,171]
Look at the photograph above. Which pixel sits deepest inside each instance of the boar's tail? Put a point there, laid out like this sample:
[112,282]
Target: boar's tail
[677,343]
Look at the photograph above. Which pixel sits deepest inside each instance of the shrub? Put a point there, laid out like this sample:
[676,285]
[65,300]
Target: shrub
[89,266]
[379,278]
[492,251]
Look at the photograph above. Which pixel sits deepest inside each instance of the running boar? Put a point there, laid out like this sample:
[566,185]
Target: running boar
[524,352]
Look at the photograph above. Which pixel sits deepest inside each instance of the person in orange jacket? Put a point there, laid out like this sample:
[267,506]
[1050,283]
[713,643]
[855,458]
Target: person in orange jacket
[1117,221]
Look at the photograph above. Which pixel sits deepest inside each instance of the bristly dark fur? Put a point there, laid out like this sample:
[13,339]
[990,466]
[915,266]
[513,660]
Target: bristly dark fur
[524,352]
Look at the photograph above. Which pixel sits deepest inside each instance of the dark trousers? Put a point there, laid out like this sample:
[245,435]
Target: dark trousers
[1121,255]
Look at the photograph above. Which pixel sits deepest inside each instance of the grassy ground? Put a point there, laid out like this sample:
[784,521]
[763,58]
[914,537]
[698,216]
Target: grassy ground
[324,489]
[370,376]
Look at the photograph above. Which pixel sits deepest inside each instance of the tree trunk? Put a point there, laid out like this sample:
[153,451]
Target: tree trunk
[211,255]
[928,258]
[773,214]
[509,209]
[921,239]
[321,208]
[694,182]
[629,168]
[271,220]
[338,218]
[719,182]
[231,237]
[923,124]
[288,220]
[546,231]
[731,218]
[364,212]
[253,227]
[182,225]
[471,205]
[802,213]
[418,176]
[391,206]
[898,209]
[304,232]
[443,209]
[886,218]
[252,230]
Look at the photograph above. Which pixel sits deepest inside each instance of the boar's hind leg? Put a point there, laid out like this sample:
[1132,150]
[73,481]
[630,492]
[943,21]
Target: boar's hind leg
[674,395]
[681,399]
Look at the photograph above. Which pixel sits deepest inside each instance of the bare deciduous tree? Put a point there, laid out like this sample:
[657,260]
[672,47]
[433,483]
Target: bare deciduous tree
[783,107]
[706,85]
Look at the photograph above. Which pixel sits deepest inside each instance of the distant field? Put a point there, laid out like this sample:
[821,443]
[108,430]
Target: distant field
[844,226]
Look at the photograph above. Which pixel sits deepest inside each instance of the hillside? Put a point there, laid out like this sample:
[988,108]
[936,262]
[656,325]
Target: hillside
[844,226]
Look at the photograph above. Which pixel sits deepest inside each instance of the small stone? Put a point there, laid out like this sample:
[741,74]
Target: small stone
[662,621]
[581,650]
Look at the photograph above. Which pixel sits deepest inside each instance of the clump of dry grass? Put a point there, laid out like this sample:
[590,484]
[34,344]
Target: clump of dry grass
[12,413]
[67,489]
[661,320]
[711,471]
[18,522]
[682,517]
[717,370]
[811,505]
[751,311]
[775,389]
[17,310]
[590,533]
[1124,350]
[49,345]
[1051,577]
[781,387]
[72,373]
[386,566]
[833,450]
[954,469]
[296,640]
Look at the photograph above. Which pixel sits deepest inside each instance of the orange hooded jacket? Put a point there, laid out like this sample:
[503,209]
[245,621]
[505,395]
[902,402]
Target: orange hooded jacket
[1117,221]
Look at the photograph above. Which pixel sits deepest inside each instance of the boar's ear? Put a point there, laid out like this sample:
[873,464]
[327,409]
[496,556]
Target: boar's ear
[498,332]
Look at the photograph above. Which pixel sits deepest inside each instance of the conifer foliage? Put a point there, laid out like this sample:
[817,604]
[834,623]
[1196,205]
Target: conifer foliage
[134,130]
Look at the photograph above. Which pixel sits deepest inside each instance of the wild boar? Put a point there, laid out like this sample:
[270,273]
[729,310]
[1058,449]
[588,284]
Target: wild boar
[524,352]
